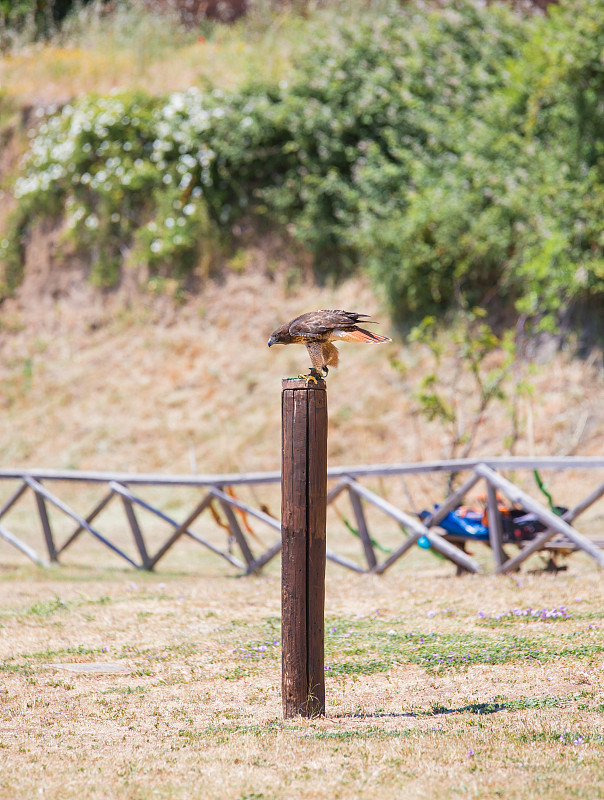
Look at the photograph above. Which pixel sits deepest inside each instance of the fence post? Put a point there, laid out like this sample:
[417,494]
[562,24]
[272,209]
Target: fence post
[495,528]
[303,512]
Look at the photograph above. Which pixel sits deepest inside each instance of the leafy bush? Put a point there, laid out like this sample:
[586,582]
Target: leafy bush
[511,213]
[91,162]
[164,176]
[382,101]
[315,152]
[457,154]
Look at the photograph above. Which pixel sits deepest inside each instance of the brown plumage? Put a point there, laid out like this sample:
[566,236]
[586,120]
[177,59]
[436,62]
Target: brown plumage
[318,330]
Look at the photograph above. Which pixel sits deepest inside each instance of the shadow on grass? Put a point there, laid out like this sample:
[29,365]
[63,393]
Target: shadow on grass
[492,707]
[471,708]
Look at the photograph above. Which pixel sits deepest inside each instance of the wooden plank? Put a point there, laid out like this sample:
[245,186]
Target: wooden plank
[252,478]
[227,556]
[342,561]
[359,514]
[495,532]
[293,553]
[267,556]
[253,512]
[586,503]
[547,517]
[80,529]
[316,510]
[13,499]
[137,534]
[388,508]
[564,546]
[24,548]
[46,528]
[337,490]
[543,539]
[237,533]
[379,569]
[466,464]
[45,493]
[418,529]
[142,478]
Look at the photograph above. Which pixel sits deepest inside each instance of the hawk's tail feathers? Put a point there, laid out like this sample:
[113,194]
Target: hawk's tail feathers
[361,335]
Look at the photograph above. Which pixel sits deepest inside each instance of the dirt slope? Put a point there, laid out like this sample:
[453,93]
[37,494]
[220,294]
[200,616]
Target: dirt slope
[132,381]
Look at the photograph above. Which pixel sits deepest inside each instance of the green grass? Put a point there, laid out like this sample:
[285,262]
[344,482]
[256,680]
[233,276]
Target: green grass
[199,712]
[44,608]
[378,650]
[25,663]
[359,735]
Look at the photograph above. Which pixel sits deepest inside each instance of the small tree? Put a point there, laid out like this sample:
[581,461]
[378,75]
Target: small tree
[470,368]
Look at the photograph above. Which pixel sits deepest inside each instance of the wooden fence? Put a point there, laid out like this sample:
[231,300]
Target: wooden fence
[219,490]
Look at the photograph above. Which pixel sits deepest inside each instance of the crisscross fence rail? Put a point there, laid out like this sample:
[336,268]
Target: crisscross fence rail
[219,490]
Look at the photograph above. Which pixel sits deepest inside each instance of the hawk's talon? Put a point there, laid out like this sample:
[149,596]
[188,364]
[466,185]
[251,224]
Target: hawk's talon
[314,375]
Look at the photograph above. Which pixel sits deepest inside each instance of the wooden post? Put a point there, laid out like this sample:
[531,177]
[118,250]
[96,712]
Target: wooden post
[303,513]
[137,534]
[357,508]
[44,519]
[495,528]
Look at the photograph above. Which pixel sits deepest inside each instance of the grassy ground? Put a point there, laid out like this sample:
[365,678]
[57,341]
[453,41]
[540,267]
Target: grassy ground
[435,687]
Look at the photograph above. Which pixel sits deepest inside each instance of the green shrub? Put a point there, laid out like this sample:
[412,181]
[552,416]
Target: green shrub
[514,216]
[456,154]
[164,176]
[382,102]
[340,138]
[91,162]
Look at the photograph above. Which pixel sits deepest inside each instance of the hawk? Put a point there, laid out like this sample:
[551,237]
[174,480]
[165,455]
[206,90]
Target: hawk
[318,330]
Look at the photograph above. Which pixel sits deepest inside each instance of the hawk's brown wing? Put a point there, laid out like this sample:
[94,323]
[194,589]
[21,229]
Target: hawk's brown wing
[317,323]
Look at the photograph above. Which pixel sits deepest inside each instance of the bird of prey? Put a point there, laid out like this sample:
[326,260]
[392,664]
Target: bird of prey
[318,330]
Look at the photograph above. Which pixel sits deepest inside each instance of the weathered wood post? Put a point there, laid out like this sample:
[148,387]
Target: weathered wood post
[303,512]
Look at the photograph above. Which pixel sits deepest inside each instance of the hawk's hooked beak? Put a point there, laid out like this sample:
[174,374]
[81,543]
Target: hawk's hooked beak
[271,342]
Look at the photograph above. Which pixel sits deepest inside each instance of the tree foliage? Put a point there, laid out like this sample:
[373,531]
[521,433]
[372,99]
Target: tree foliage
[38,17]
[456,154]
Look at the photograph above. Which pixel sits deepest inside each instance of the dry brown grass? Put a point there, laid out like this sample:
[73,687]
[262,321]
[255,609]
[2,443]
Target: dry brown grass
[54,74]
[195,716]
[131,382]
[131,49]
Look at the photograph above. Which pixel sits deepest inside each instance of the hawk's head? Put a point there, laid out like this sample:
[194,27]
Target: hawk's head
[281,336]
